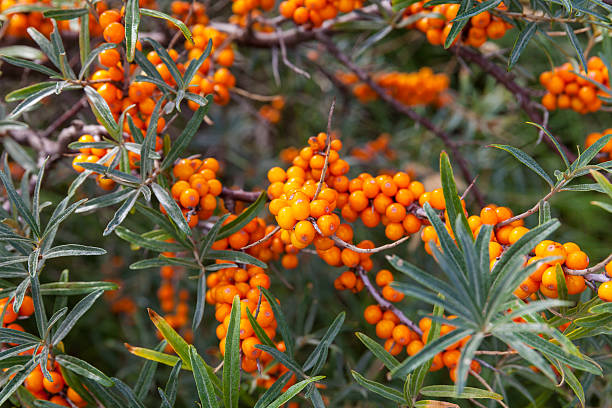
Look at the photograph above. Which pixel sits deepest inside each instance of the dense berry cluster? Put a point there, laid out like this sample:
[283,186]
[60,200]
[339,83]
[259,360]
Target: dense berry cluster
[214,76]
[19,22]
[315,12]
[196,188]
[437,23]
[245,282]
[56,391]
[422,87]
[53,390]
[567,90]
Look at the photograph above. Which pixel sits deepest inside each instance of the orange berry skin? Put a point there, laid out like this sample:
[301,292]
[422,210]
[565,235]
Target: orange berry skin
[189,198]
[401,334]
[384,328]
[109,58]
[248,347]
[396,212]
[605,291]
[109,17]
[54,386]
[577,260]
[575,284]
[391,294]
[414,347]
[384,277]
[34,381]
[328,224]
[394,231]
[285,218]
[349,258]
[304,232]
[114,33]
[549,278]
[358,200]
[372,314]
[27,306]
[183,170]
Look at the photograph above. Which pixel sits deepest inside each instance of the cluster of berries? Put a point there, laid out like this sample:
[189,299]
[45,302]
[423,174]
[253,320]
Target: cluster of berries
[92,155]
[437,23]
[189,12]
[210,79]
[223,286]
[568,255]
[55,391]
[196,188]
[567,90]
[606,152]
[41,388]
[19,22]
[315,12]
[422,87]
[271,112]
[380,145]
[167,295]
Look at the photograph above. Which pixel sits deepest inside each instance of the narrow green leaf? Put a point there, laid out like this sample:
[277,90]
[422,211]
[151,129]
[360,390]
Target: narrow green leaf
[122,212]
[83,368]
[206,390]
[132,21]
[231,359]
[576,44]
[75,314]
[379,351]
[380,389]
[93,56]
[186,136]
[293,391]
[521,42]
[283,327]
[103,113]
[527,160]
[171,207]
[244,218]
[450,391]
[178,23]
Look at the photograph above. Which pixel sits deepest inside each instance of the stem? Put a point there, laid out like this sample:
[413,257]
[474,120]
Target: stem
[384,303]
[327,150]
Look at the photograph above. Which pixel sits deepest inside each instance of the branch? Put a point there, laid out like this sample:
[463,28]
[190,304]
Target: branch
[400,107]
[384,303]
[241,195]
[507,79]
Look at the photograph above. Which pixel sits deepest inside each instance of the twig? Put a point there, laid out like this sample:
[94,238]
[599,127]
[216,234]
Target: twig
[532,210]
[327,149]
[253,96]
[64,117]
[354,248]
[288,63]
[400,107]
[241,195]
[264,239]
[384,303]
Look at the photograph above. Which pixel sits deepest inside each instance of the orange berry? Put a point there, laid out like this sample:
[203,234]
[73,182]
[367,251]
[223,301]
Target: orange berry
[372,314]
[54,386]
[189,198]
[384,328]
[114,33]
[577,260]
[384,277]
[396,212]
[605,291]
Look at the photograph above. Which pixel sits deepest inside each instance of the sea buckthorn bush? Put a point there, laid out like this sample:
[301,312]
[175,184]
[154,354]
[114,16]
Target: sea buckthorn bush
[305,203]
